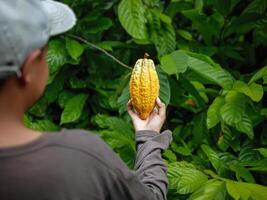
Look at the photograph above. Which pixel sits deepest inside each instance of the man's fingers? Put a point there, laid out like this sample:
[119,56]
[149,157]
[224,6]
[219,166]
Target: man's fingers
[130,109]
[161,107]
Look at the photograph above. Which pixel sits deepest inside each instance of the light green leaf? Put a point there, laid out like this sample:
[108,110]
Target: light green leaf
[185,34]
[174,63]
[211,190]
[246,191]
[233,110]
[241,172]
[213,157]
[259,74]
[132,16]
[56,55]
[74,48]
[169,155]
[213,115]
[119,131]
[73,109]
[245,126]
[44,126]
[253,90]
[263,151]
[63,98]
[179,61]
[185,178]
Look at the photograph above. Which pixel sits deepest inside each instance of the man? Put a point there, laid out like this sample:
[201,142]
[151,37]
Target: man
[71,164]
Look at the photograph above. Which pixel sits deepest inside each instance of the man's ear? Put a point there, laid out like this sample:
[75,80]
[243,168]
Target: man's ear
[30,62]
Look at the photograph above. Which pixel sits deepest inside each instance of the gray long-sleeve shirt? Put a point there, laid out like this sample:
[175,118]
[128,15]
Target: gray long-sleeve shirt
[77,165]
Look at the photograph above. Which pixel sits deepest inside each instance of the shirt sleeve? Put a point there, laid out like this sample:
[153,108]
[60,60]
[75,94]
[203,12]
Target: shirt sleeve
[149,166]
[149,178]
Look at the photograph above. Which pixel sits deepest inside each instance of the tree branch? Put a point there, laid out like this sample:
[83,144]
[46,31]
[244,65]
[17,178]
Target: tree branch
[100,49]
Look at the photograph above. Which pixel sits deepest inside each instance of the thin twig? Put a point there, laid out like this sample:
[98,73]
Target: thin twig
[100,49]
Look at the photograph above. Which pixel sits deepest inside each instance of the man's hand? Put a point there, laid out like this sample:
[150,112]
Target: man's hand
[154,121]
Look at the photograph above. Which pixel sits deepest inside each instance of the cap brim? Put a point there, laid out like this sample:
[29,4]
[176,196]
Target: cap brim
[61,17]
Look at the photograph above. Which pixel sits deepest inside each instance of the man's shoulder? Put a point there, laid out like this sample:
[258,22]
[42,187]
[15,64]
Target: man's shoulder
[76,139]
[84,142]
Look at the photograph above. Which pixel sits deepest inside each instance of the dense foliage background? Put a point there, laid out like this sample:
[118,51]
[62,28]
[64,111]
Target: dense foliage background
[210,57]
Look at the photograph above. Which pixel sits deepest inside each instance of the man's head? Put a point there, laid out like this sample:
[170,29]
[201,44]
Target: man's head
[25,27]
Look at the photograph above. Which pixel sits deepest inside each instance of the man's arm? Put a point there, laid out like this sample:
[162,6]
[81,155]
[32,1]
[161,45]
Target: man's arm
[149,165]
[149,180]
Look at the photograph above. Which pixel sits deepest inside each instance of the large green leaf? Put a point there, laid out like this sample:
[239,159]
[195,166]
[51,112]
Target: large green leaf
[253,90]
[132,17]
[211,190]
[74,48]
[234,108]
[165,91]
[178,61]
[56,55]
[263,151]
[213,157]
[185,178]
[246,191]
[73,109]
[213,115]
[245,126]
[259,74]
[256,6]
[174,63]
[44,126]
[119,133]
[161,31]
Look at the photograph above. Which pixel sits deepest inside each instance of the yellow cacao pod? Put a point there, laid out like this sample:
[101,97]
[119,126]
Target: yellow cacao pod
[144,86]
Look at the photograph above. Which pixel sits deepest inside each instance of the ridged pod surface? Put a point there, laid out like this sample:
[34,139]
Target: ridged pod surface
[144,87]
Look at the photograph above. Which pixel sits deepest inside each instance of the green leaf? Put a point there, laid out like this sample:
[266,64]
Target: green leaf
[208,26]
[241,172]
[245,126]
[189,87]
[74,48]
[253,90]
[120,133]
[179,61]
[162,33]
[258,75]
[263,151]
[132,16]
[246,191]
[213,115]
[99,25]
[234,108]
[56,55]
[222,6]
[165,91]
[123,99]
[169,155]
[185,178]
[44,126]
[211,190]
[185,34]
[174,63]
[256,6]
[213,157]
[63,98]
[73,109]
[39,108]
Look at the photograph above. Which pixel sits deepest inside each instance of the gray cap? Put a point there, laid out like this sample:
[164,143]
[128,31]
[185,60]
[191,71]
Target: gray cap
[26,25]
